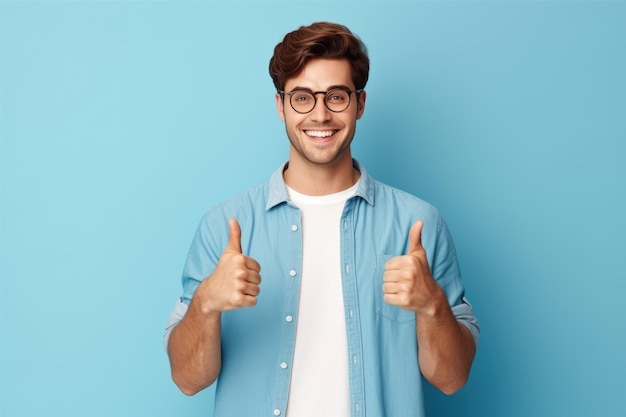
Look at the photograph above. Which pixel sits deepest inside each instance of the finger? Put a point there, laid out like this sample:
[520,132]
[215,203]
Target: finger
[393,299]
[399,263]
[234,239]
[253,278]
[391,275]
[250,301]
[415,238]
[243,300]
[394,263]
[251,289]
[252,264]
[391,288]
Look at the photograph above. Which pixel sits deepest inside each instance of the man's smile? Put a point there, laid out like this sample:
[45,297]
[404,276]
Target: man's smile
[320,133]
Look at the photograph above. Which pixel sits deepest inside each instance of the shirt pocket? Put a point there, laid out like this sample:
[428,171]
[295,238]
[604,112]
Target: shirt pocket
[383,309]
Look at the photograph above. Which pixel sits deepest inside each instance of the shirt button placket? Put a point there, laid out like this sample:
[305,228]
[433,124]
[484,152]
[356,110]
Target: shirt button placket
[288,318]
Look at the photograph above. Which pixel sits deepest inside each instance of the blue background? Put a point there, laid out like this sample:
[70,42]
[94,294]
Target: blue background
[122,122]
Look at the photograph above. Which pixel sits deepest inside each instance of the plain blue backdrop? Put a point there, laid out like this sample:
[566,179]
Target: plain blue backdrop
[122,122]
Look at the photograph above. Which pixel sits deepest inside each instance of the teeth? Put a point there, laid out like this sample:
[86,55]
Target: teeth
[320,133]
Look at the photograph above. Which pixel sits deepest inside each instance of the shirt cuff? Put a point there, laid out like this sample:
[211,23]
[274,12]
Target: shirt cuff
[465,315]
[180,309]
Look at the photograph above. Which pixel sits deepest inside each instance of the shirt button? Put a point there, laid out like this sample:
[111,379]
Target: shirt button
[292,272]
[294,227]
[289,319]
[276,412]
[283,365]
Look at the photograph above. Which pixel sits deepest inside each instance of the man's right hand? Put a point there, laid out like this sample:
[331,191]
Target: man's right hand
[235,282]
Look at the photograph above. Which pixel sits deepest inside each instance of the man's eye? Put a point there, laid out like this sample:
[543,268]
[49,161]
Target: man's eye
[337,97]
[302,98]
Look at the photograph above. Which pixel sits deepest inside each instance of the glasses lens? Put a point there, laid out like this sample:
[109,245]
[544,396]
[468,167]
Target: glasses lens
[337,99]
[302,101]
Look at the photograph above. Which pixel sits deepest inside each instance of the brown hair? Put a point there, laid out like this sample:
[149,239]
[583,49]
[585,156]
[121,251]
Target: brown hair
[319,40]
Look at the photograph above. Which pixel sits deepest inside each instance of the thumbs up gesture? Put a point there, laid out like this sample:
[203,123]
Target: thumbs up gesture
[235,281]
[408,282]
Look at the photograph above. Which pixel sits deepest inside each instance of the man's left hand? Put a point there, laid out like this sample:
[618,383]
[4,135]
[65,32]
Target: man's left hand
[408,282]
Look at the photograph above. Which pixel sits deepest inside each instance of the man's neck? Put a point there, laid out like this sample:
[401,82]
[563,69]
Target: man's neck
[315,180]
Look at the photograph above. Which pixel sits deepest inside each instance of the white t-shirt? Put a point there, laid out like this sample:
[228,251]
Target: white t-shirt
[319,374]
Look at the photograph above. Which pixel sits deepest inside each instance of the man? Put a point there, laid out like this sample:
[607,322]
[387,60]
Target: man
[356,274]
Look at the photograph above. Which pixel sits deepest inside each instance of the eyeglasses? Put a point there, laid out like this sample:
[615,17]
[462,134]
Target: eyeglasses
[336,99]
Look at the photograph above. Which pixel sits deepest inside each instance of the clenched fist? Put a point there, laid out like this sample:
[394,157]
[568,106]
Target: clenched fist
[235,282]
[408,282]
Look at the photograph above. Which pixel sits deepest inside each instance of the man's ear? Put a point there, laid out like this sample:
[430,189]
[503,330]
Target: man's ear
[361,104]
[279,106]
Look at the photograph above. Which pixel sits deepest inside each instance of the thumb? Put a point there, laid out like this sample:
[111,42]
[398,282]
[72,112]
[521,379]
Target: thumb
[415,238]
[234,240]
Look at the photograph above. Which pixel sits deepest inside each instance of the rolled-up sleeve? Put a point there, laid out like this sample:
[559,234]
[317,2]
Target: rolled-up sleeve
[179,311]
[465,315]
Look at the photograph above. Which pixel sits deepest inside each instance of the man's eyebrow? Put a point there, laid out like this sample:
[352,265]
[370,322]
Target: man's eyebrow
[342,86]
[299,88]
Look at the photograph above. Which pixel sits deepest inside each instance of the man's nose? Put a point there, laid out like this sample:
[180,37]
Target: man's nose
[320,112]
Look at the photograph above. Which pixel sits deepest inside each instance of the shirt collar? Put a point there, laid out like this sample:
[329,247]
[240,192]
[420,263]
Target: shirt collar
[278,193]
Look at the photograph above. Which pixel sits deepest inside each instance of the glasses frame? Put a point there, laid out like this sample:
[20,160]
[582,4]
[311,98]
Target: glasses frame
[326,95]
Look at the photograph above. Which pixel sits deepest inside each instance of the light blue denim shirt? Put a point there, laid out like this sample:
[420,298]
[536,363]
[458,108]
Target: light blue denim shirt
[257,342]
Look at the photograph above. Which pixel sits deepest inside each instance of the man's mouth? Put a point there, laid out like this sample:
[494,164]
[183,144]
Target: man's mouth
[320,133]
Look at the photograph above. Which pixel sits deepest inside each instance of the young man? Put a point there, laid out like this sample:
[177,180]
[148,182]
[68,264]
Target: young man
[361,292]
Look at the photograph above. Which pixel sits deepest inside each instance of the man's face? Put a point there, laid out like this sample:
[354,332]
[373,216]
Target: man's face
[321,137]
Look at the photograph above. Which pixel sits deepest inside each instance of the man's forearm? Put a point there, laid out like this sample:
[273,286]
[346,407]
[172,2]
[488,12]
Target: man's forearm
[446,348]
[194,350]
